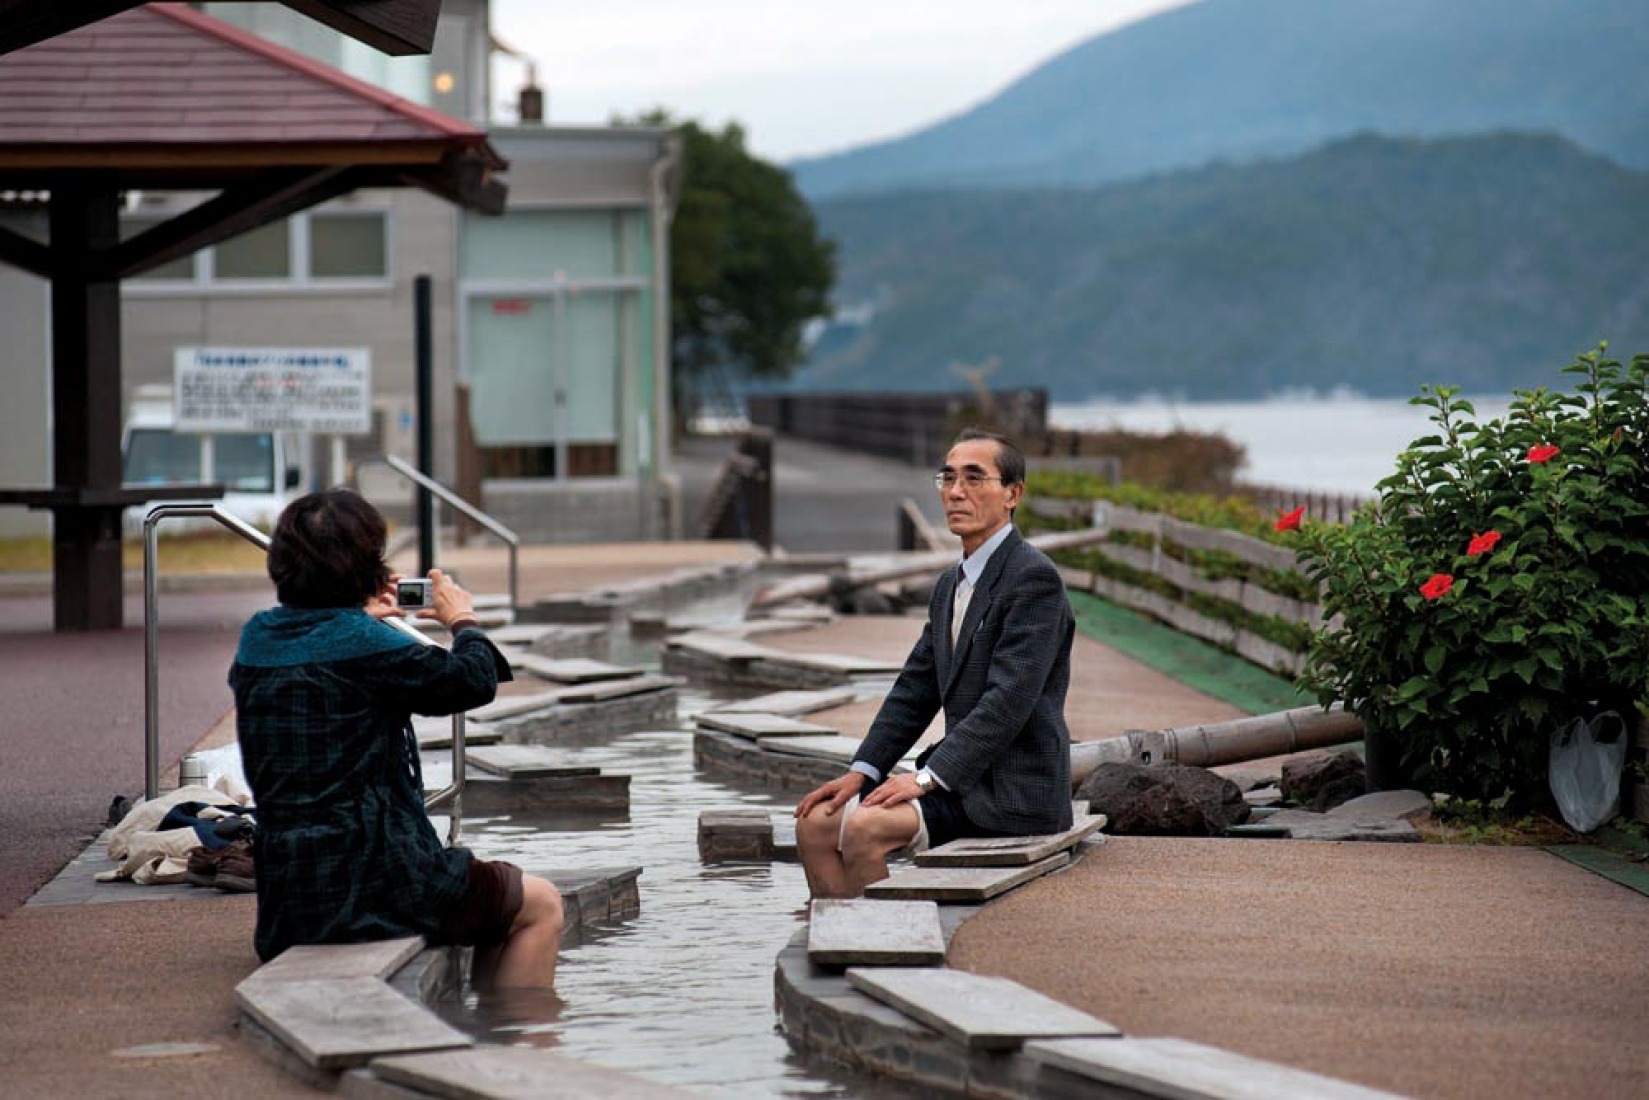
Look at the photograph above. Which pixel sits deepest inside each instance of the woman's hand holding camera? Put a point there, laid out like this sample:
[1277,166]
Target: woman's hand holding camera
[442,599]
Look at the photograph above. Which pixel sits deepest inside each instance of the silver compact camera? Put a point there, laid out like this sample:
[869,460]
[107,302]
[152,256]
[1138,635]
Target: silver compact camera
[412,594]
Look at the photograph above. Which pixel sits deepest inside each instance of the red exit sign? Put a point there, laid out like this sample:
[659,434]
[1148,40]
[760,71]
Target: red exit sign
[511,305]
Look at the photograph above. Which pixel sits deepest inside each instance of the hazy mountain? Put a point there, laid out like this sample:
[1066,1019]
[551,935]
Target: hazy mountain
[1243,79]
[1377,263]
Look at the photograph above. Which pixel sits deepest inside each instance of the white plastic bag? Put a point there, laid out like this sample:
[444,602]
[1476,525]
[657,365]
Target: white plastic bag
[1584,769]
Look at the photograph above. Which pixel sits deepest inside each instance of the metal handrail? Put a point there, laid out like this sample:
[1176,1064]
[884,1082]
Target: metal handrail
[418,477]
[151,653]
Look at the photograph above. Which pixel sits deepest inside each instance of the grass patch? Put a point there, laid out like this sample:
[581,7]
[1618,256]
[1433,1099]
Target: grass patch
[206,552]
[1192,662]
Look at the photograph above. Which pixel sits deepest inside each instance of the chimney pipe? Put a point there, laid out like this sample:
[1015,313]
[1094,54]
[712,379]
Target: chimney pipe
[530,104]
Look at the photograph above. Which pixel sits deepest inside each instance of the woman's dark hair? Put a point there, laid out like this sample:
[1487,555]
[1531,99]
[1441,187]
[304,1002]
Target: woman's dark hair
[328,551]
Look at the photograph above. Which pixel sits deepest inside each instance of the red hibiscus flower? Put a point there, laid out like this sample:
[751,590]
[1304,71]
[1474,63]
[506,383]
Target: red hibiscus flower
[1543,452]
[1290,521]
[1482,544]
[1437,587]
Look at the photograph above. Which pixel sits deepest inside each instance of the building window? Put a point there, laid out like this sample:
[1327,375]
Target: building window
[347,246]
[321,247]
[264,253]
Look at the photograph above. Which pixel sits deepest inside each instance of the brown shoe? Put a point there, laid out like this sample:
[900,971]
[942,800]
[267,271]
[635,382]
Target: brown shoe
[236,872]
[203,866]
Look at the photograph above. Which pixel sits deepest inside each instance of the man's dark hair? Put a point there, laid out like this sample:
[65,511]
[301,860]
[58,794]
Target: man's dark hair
[1010,460]
[328,551]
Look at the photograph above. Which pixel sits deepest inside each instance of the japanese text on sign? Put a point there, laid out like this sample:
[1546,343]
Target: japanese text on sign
[325,390]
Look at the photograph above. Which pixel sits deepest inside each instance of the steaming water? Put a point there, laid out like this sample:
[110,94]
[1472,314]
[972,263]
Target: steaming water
[683,993]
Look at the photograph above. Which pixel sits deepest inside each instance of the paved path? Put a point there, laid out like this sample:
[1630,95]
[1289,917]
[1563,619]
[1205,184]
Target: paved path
[1467,973]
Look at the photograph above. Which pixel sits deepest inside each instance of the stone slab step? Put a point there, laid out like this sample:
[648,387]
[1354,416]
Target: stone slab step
[721,647]
[378,959]
[339,1023]
[816,746]
[574,670]
[845,663]
[784,837]
[868,932]
[961,883]
[436,733]
[754,725]
[605,690]
[735,835]
[1179,1069]
[1008,851]
[980,1012]
[513,706]
[524,762]
[791,704]
[486,794]
[515,1073]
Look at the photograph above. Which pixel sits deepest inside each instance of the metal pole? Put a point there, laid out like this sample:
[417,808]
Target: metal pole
[151,662]
[425,367]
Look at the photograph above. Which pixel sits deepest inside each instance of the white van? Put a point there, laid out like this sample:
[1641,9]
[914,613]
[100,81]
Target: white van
[261,472]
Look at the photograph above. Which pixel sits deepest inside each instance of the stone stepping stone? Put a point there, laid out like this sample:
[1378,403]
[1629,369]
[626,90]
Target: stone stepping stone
[514,706]
[867,932]
[341,1023]
[436,733]
[815,746]
[1183,1070]
[753,726]
[515,1073]
[575,670]
[320,962]
[487,795]
[603,691]
[791,704]
[844,663]
[523,762]
[1305,825]
[742,833]
[1008,851]
[784,837]
[722,647]
[980,1012]
[961,883]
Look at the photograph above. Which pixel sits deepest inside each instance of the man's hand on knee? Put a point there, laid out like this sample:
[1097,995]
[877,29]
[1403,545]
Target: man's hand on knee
[833,795]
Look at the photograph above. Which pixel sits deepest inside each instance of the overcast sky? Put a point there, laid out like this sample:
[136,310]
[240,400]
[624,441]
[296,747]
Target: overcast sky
[803,76]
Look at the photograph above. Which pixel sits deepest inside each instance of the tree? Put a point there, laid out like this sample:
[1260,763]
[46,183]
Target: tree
[748,267]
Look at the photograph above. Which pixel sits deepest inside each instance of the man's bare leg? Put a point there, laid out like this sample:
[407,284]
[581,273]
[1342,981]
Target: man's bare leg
[873,834]
[817,836]
[870,836]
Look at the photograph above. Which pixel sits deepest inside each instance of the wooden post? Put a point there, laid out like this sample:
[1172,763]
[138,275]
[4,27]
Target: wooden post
[86,566]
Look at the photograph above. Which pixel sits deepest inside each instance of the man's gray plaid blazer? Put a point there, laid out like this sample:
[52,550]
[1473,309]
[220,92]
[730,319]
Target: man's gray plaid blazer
[1006,749]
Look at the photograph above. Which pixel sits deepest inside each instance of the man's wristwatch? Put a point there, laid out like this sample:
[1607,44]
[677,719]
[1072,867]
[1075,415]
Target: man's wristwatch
[925,781]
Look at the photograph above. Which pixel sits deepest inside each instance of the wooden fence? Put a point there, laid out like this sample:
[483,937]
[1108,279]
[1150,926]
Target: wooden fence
[1160,553]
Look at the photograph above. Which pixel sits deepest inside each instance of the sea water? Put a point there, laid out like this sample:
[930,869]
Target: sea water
[1341,443]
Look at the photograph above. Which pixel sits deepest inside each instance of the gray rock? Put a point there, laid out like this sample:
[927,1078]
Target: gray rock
[1163,800]
[1324,780]
[1386,806]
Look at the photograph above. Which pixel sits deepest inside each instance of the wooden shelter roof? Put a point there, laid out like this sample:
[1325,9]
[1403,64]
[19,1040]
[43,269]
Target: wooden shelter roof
[166,96]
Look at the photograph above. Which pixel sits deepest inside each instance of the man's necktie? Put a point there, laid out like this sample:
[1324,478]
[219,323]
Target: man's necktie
[964,593]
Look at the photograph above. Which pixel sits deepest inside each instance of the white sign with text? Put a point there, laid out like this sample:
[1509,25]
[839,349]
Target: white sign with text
[322,390]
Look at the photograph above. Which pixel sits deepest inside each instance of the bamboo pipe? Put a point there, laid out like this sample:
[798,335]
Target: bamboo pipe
[1217,743]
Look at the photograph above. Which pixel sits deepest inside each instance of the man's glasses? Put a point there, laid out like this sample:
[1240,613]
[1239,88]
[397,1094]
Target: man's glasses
[947,479]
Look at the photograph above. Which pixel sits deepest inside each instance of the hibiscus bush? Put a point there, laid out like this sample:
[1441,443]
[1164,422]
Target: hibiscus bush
[1497,587]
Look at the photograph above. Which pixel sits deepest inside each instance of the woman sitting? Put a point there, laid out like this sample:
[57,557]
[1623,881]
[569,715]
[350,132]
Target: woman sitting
[324,697]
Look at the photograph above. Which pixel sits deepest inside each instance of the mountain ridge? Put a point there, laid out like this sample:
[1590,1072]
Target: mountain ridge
[1373,262]
[1241,80]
